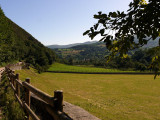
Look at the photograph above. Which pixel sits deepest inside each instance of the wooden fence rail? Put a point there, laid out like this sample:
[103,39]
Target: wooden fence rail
[24,89]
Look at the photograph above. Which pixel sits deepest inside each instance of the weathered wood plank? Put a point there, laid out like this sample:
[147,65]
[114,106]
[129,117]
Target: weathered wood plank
[50,100]
[30,112]
[27,98]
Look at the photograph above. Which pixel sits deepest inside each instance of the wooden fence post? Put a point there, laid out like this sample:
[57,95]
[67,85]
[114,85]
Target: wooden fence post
[17,86]
[13,77]
[27,98]
[58,94]
[10,76]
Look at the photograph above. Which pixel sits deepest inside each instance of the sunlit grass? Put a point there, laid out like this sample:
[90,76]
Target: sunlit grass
[58,67]
[109,97]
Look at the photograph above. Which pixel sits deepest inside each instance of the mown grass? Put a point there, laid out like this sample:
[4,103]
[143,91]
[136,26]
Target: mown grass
[58,67]
[109,97]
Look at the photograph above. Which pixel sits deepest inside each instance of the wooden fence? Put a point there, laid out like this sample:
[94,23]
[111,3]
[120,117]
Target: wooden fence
[23,90]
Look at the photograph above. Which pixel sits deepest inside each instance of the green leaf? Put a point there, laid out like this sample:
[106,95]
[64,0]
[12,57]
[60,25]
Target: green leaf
[86,32]
[97,16]
[91,29]
[102,31]
[102,39]
[96,26]
[114,14]
[92,35]
[104,15]
[99,12]
[118,12]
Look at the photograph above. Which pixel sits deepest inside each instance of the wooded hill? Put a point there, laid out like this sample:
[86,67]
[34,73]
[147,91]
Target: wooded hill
[83,53]
[18,45]
[96,53]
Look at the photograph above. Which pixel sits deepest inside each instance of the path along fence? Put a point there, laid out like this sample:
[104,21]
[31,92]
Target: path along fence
[23,90]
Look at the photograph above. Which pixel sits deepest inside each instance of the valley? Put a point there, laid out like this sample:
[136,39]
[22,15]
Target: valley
[113,77]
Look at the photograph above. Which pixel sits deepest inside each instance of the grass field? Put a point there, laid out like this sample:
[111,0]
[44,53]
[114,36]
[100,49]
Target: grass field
[58,67]
[109,97]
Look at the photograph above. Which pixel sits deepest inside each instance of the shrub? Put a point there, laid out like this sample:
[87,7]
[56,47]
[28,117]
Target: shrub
[10,107]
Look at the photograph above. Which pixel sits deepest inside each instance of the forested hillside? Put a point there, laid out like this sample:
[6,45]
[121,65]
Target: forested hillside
[96,53]
[83,54]
[17,45]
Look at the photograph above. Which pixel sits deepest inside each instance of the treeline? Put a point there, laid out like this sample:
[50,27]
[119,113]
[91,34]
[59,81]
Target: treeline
[18,45]
[140,60]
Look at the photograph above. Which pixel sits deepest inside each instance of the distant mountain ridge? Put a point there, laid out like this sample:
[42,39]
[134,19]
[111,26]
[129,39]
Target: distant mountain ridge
[70,45]
[150,44]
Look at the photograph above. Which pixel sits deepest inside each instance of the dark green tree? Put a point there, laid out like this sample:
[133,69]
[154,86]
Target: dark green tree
[142,20]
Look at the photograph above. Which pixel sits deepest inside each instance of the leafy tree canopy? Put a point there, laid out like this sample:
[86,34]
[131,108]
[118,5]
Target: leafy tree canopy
[142,20]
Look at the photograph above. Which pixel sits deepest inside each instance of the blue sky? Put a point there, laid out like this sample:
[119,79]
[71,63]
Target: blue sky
[58,21]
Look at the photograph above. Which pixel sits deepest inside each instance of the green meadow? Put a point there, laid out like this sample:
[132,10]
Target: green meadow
[58,67]
[109,97]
